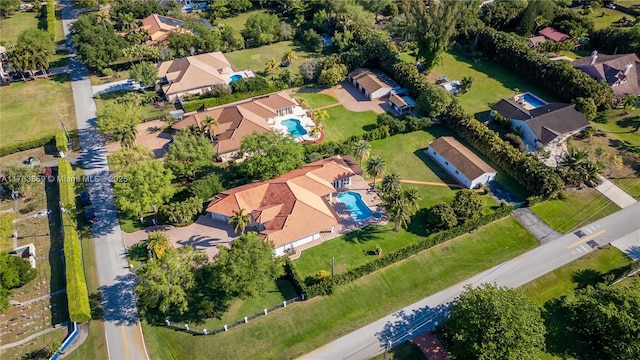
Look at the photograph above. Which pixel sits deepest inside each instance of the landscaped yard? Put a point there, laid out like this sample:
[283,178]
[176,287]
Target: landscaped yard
[621,127]
[343,123]
[149,111]
[630,185]
[314,100]
[605,17]
[575,209]
[12,26]
[305,326]
[562,342]
[492,82]
[237,22]
[29,108]
[256,58]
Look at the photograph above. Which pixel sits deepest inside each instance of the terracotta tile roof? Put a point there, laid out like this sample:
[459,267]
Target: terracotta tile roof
[553,34]
[463,159]
[368,80]
[537,40]
[194,72]
[239,119]
[612,68]
[159,26]
[291,206]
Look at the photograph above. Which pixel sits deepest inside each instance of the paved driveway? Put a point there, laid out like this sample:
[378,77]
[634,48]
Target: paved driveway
[354,100]
[205,235]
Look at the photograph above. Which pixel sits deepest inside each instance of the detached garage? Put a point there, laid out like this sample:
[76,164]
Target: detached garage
[368,83]
[460,162]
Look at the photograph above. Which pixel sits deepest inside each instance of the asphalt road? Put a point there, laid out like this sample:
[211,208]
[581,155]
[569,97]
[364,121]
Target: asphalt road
[424,315]
[121,321]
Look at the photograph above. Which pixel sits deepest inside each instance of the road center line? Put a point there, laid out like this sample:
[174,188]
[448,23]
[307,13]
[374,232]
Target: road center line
[124,341]
[586,239]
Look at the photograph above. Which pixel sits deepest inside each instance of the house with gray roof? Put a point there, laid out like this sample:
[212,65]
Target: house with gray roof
[621,72]
[460,162]
[542,126]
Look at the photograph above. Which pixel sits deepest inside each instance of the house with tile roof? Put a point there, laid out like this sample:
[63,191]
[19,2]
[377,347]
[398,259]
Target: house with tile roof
[542,126]
[553,35]
[240,119]
[193,74]
[159,27]
[292,209]
[621,72]
[460,162]
[368,83]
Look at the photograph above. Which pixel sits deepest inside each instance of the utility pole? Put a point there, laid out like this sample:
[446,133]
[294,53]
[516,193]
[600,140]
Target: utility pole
[333,260]
[63,127]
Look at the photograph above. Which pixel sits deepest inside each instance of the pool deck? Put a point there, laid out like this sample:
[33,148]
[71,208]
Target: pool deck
[299,114]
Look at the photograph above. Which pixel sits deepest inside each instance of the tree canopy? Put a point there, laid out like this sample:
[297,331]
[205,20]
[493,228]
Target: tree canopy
[609,317]
[490,322]
[189,154]
[118,122]
[147,184]
[33,50]
[467,204]
[433,101]
[122,159]
[14,272]
[261,29]
[145,73]
[442,216]
[249,267]
[269,155]
[97,42]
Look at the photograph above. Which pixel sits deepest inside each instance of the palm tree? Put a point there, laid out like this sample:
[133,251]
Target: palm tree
[127,137]
[375,167]
[289,56]
[413,198]
[575,158]
[592,171]
[390,183]
[398,209]
[209,123]
[240,220]
[319,116]
[102,18]
[158,243]
[271,65]
[316,130]
[127,21]
[361,150]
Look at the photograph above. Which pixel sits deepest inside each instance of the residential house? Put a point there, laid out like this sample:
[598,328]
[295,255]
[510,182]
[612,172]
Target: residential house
[535,41]
[542,126]
[240,119]
[553,35]
[26,253]
[460,162]
[401,104]
[159,27]
[193,74]
[292,209]
[621,72]
[368,83]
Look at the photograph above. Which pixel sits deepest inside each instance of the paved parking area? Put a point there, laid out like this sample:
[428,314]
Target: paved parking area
[354,100]
[205,235]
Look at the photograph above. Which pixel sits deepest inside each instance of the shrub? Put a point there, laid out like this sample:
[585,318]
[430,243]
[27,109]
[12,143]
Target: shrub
[26,144]
[62,143]
[181,213]
[502,121]
[51,18]
[77,294]
[194,105]
[107,71]
[322,275]
[206,187]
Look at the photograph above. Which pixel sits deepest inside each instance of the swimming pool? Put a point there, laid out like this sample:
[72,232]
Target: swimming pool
[353,201]
[295,129]
[235,77]
[533,100]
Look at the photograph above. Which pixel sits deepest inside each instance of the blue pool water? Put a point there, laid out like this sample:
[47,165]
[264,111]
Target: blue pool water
[534,101]
[353,201]
[295,129]
[235,78]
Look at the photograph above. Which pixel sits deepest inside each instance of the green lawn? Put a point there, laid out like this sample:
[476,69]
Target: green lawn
[148,111]
[630,185]
[605,17]
[561,340]
[357,248]
[576,209]
[28,109]
[314,100]
[621,127]
[492,82]
[256,58]
[404,154]
[237,22]
[305,326]
[343,123]
[12,26]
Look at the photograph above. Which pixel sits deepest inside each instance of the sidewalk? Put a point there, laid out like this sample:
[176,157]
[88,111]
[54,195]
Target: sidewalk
[615,194]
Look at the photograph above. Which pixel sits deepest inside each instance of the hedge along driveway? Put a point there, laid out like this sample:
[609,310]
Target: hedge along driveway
[305,326]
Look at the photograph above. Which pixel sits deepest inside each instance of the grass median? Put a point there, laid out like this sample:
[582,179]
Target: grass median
[305,326]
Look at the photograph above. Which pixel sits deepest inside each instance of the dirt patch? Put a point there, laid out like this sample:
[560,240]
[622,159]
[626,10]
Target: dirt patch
[151,135]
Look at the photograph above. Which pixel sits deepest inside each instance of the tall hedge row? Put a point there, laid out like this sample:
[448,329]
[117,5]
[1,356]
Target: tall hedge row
[26,144]
[77,293]
[327,286]
[559,77]
[526,170]
[51,18]
[202,104]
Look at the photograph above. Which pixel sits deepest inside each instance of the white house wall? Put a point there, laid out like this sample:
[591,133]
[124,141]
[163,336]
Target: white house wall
[482,179]
[528,136]
[450,168]
[281,250]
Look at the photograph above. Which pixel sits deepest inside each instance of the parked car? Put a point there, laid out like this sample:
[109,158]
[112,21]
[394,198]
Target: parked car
[29,161]
[89,215]
[85,200]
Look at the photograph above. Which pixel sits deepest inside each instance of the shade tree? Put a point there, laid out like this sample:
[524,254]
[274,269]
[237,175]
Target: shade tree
[147,185]
[188,154]
[118,121]
[441,216]
[269,154]
[467,204]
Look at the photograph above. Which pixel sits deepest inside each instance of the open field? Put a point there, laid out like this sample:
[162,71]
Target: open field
[12,26]
[492,82]
[237,22]
[578,207]
[343,123]
[28,109]
[256,58]
[605,17]
[305,326]
[316,100]
[562,341]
